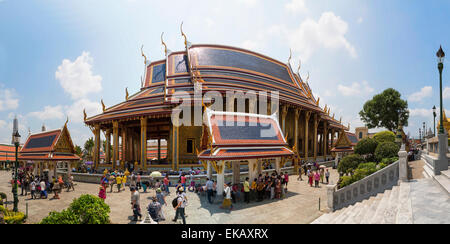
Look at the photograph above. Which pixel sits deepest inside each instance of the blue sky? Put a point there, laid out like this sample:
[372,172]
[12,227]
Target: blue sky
[58,57]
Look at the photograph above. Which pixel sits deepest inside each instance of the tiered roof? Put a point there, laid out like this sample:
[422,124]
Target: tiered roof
[214,68]
[7,152]
[237,136]
[346,142]
[55,145]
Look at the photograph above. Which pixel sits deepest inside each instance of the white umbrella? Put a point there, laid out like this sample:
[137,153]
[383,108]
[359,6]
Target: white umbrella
[156,174]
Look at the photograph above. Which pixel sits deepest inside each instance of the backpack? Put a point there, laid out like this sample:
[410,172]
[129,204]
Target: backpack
[175,202]
[152,212]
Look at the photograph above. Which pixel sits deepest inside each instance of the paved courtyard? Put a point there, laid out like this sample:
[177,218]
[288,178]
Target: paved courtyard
[300,206]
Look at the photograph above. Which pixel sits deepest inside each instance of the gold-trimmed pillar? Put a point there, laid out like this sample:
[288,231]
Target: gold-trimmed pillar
[284,110]
[115,144]
[296,159]
[124,147]
[316,124]
[96,145]
[143,143]
[307,117]
[325,139]
[108,146]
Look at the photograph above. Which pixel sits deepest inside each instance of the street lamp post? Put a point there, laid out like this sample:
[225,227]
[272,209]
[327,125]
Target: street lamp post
[434,120]
[16,139]
[442,162]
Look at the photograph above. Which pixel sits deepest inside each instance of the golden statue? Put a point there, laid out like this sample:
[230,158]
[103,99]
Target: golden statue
[143,55]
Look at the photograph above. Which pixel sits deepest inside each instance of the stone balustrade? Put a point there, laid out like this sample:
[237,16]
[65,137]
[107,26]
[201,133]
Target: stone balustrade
[364,188]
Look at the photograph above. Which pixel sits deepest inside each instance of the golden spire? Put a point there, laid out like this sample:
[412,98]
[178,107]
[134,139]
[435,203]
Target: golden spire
[143,55]
[325,109]
[182,33]
[164,44]
[85,115]
[103,106]
[67,121]
[318,100]
[126,93]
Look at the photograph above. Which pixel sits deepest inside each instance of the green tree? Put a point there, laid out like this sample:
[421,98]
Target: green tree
[366,146]
[87,209]
[349,163]
[88,148]
[386,150]
[78,151]
[384,136]
[386,110]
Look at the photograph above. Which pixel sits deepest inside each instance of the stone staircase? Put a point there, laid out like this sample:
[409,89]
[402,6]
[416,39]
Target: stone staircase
[393,206]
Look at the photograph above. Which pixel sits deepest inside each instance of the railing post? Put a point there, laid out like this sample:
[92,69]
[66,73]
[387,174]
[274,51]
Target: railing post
[330,196]
[403,164]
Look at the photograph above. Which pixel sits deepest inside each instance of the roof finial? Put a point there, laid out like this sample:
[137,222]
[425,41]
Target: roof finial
[318,99]
[143,55]
[340,120]
[103,106]
[185,38]
[85,115]
[164,44]
[290,55]
[299,66]
[67,121]
[307,78]
[126,93]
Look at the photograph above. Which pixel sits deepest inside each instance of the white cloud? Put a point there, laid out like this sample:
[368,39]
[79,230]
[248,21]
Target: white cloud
[360,20]
[356,89]
[420,112]
[49,112]
[296,6]
[8,99]
[328,32]
[209,22]
[75,111]
[249,3]
[423,93]
[76,77]
[446,93]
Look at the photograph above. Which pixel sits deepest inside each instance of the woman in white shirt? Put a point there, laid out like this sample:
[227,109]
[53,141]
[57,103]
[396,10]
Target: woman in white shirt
[227,197]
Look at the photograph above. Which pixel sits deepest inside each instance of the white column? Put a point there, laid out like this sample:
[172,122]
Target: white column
[209,170]
[403,164]
[277,164]
[220,178]
[252,169]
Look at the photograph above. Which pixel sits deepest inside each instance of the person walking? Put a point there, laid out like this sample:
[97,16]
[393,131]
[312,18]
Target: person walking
[300,172]
[70,182]
[102,193]
[166,184]
[180,207]
[247,190]
[43,189]
[33,189]
[209,190]
[135,204]
[327,176]
[286,180]
[227,197]
[162,201]
[118,182]
[316,179]
[112,180]
[322,174]
[183,181]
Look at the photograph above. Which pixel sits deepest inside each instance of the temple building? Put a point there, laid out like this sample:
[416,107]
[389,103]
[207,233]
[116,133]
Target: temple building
[44,150]
[173,82]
